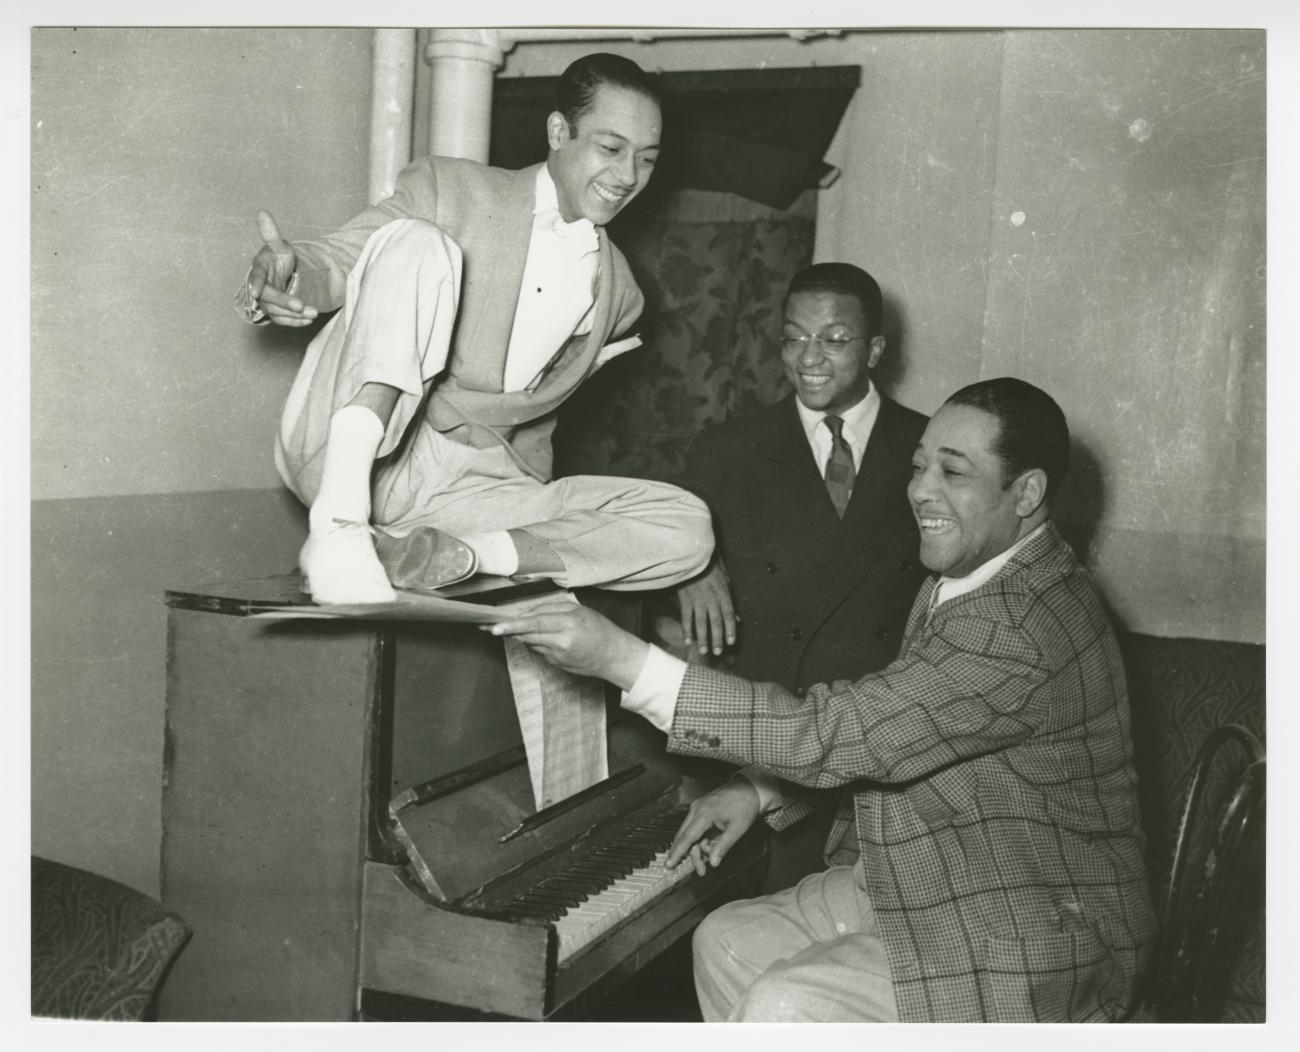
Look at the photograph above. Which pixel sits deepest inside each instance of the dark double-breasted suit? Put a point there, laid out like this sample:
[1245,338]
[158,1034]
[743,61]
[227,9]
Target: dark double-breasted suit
[820,598]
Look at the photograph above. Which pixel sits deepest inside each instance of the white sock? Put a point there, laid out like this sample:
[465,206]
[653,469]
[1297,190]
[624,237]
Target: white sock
[355,434]
[496,552]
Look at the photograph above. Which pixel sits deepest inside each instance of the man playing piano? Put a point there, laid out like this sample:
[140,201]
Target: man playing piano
[986,862]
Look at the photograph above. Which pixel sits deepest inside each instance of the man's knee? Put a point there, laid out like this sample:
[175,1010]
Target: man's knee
[776,996]
[697,513]
[697,525]
[771,998]
[708,943]
[409,242]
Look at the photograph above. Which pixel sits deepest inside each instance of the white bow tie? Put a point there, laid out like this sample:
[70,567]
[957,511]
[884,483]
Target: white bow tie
[581,233]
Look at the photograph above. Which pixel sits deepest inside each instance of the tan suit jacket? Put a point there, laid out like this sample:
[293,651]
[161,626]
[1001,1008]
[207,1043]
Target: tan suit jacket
[488,212]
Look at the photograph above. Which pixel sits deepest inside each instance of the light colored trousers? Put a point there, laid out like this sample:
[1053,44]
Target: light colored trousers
[395,328]
[810,953]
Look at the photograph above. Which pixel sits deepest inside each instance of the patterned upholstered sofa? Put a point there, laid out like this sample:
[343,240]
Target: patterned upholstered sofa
[100,950]
[1180,691]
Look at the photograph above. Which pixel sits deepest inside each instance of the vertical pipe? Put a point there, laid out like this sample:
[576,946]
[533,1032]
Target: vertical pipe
[464,63]
[391,101]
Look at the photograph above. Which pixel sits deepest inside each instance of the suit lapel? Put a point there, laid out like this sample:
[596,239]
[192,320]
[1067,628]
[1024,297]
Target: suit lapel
[877,492]
[505,227]
[783,468]
[505,234]
[920,607]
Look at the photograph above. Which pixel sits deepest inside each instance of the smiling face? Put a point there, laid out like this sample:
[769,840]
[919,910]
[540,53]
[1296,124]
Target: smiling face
[965,515]
[826,350]
[606,160]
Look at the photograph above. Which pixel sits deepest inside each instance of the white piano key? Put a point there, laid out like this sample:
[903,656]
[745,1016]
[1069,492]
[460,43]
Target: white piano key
[581,925]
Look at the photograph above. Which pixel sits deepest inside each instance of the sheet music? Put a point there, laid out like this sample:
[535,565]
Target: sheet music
[408,606]
[561,718]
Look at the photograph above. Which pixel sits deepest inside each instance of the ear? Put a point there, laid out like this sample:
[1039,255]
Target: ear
[877,346]
[557,130]
[1033,491]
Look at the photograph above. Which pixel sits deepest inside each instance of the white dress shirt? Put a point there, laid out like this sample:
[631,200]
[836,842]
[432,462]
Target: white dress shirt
[557,293]
[858,419]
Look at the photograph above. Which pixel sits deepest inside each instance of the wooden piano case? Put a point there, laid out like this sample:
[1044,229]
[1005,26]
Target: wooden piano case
[286,742]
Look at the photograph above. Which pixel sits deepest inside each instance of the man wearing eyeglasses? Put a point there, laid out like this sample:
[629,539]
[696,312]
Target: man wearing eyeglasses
[816,564]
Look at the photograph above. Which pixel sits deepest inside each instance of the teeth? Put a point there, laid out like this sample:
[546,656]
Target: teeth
[934,524]
[607,195]
[815,381]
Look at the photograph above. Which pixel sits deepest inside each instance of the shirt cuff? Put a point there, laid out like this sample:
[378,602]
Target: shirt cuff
[250,309]
[768,786]
[654,694]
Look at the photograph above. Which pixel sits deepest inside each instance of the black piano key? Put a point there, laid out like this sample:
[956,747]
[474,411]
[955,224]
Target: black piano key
[532,910]
[621,859]
[656,839]
[549,910]
[560,898]
[589,872]
[591,864]
[582,882]
[644,835]
[575,889]
[609,856]
[592,882]
[616,869]
[541,899]
[600,876]
[646,848]
[629,861]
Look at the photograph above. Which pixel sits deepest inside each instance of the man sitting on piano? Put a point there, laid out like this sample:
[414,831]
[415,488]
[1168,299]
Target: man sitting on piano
[474,301]
[986,862]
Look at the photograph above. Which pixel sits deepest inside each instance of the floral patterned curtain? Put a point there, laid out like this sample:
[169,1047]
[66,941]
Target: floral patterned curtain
[714,268]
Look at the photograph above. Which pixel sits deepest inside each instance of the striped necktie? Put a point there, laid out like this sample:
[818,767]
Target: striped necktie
[839,468]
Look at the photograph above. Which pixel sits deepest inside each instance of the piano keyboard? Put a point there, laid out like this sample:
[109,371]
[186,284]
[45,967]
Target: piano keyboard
[606,885]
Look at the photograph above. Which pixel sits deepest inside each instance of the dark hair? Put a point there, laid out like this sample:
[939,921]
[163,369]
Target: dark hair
[575,91]
[1032,432]
[846,280]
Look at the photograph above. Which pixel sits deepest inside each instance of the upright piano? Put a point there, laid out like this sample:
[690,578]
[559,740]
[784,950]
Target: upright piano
[349,827]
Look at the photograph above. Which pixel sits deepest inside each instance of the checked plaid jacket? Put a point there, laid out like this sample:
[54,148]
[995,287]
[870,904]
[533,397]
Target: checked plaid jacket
[993,800]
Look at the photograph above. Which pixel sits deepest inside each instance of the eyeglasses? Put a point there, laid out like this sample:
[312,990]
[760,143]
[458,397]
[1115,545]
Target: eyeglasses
[833,344]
